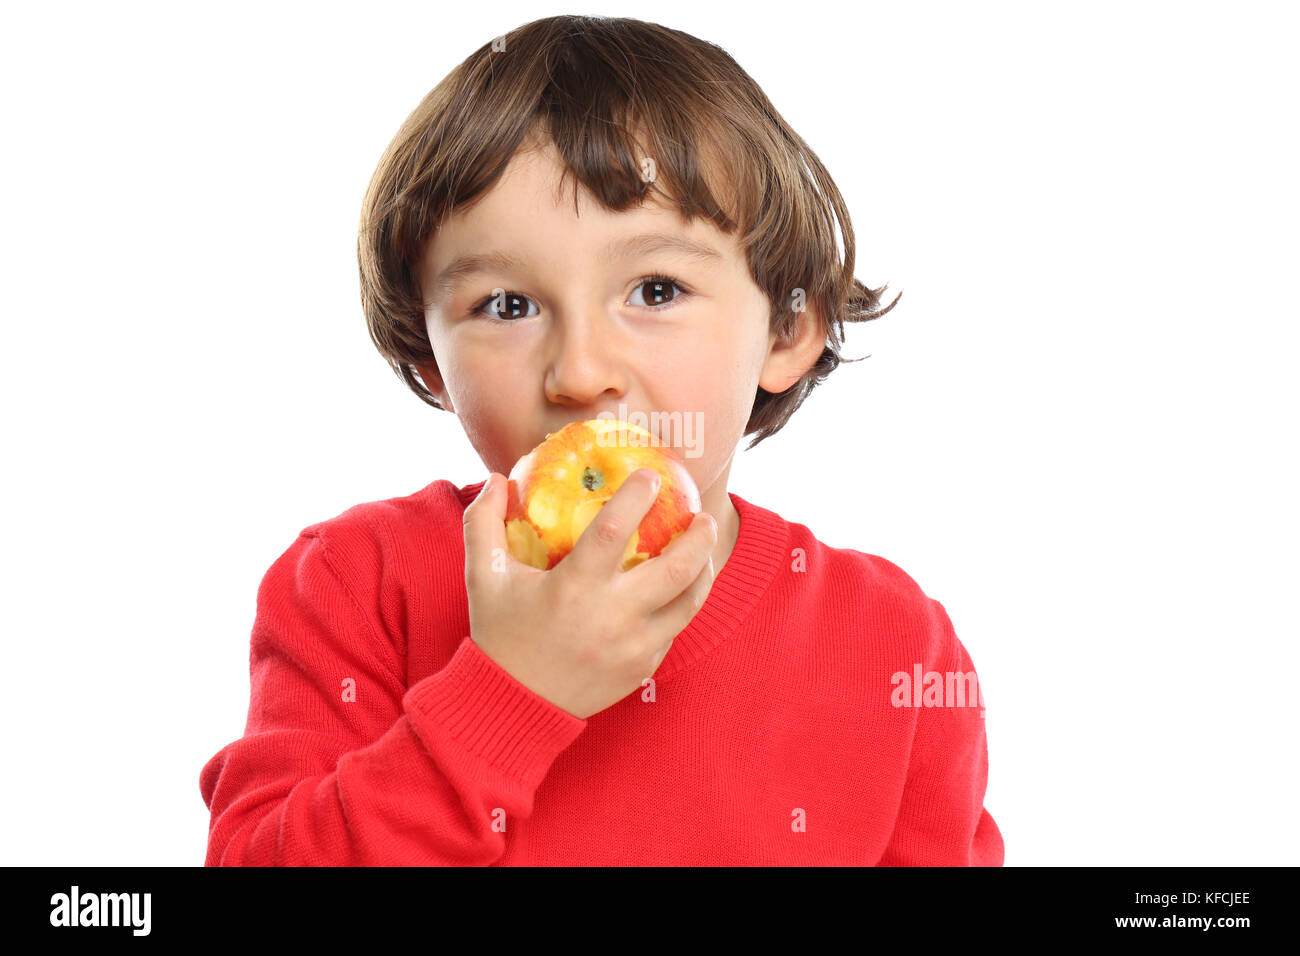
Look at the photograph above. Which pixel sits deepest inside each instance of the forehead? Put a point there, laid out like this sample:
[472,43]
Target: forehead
[527,215]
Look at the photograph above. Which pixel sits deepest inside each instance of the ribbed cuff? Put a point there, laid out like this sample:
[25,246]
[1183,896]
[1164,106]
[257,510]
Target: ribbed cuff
[492,715]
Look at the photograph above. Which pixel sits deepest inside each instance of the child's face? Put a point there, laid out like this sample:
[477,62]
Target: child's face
[575,334]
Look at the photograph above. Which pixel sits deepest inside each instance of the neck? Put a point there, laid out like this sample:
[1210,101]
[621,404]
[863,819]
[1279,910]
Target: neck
[717,502]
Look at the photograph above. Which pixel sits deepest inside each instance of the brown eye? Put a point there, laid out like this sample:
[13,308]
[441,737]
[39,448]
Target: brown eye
[657,291]
[504,307]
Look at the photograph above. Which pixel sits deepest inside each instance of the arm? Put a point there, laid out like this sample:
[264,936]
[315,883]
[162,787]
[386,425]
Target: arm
[942,820]
[402,776]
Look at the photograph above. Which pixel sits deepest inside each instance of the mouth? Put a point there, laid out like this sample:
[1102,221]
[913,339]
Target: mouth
[657,437]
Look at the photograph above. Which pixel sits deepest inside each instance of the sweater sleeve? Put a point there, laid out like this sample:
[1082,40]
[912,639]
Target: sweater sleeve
[942,820]
[341,764]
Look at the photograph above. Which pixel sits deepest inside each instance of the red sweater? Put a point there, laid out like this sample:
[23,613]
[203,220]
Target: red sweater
[379,734]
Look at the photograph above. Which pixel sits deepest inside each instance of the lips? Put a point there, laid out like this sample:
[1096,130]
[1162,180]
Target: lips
[658,435]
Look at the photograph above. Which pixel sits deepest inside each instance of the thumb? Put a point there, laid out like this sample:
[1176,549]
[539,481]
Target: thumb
[485,525]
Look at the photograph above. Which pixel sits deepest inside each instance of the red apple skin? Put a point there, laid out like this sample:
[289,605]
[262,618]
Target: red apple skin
[555,490]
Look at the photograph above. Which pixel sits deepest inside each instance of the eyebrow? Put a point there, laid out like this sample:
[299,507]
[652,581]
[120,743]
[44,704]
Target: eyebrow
[643,244]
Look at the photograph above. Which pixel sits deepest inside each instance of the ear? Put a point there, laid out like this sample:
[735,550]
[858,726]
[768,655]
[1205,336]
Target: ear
[789,361]
[434,383]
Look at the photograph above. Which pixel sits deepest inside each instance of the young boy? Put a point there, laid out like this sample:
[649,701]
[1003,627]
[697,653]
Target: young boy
[749,697]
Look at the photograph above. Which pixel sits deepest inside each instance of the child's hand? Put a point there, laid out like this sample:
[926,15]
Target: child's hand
[584,634]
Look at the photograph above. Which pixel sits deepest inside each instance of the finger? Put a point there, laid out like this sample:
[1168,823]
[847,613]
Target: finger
[673,617]
[599,550]
[485,528]
[662,578]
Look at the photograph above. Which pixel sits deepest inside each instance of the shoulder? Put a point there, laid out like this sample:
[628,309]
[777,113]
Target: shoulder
[876,591]
[403,528]
[861,572]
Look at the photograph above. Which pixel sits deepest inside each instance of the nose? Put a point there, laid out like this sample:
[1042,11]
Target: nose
[586,365]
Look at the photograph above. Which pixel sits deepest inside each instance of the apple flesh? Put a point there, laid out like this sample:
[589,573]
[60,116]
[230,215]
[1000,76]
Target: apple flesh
[556,490]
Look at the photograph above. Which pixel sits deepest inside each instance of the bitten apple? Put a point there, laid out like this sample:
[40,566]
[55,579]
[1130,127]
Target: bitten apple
[556,490]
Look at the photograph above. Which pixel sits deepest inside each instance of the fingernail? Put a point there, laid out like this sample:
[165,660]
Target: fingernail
[486,485]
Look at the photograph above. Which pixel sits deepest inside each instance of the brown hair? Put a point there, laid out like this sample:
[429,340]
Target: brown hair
[588,83]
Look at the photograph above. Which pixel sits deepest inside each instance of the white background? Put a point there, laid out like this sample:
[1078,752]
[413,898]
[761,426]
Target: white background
[1076,430]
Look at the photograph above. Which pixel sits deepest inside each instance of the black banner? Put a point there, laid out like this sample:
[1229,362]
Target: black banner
[299,905]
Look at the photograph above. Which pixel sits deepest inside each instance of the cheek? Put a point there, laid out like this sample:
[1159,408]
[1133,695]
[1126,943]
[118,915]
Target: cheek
[686,380]
[486,370]
[713,377]
[712,386]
